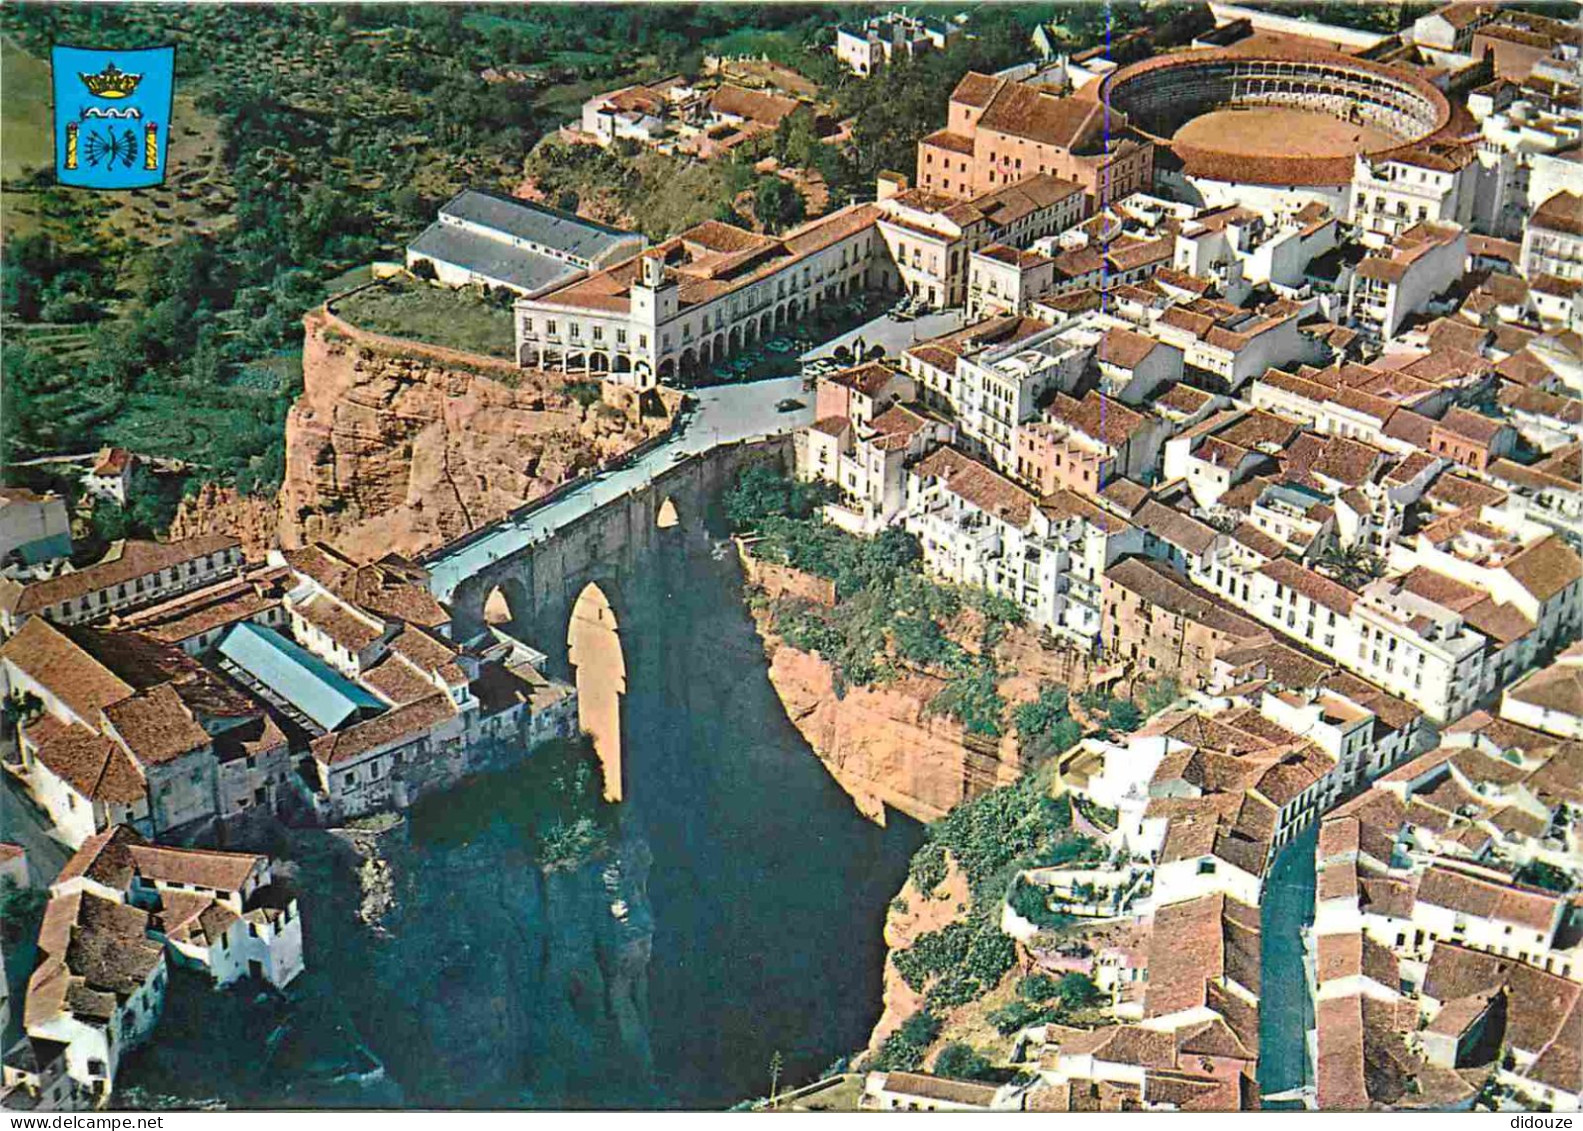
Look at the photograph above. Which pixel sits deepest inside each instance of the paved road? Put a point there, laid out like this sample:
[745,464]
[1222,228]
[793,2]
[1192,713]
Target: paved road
[22,822]
[725,414]
[893,335]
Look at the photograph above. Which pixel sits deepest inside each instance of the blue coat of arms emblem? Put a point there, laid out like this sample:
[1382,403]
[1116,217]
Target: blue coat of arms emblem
[112,115]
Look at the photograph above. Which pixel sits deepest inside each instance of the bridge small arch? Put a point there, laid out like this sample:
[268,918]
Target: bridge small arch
[593,643]
[506,603]
[668,516]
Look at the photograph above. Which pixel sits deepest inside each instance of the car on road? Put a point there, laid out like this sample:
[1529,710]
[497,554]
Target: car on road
[788,404]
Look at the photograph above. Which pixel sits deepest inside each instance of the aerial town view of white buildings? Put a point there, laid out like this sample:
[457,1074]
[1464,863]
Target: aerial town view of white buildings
[1297,424]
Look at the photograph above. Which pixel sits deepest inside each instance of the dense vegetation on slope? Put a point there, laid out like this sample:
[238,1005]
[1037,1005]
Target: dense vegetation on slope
[888,616]
[554,802]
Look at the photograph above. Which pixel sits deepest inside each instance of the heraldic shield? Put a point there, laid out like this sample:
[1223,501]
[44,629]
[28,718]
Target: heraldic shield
[112,115]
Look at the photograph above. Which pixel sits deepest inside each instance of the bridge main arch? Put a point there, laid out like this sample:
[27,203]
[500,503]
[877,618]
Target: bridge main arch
[593,648]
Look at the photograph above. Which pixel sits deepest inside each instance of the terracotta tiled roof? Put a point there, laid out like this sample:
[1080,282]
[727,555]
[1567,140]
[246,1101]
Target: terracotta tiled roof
[401,724]
[350,630]
[1320,590]
[977,484]
[95,766]
[975,89]
[136,559]
[868,379]
[1195,942]
[1172,526]
[196,867]
[931,1087]
[111,461]
[1037,115]
[52,659]
[756,105]
[945,139]
[1546,567]
[1501,900]
[1125,348]
[1562,212]
[96,953]
[156,726]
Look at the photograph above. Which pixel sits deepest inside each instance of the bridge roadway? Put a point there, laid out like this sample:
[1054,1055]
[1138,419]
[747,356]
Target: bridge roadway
[724,414]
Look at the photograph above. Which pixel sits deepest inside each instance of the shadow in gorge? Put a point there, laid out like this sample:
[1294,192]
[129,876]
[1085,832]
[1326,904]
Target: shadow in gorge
[768,888]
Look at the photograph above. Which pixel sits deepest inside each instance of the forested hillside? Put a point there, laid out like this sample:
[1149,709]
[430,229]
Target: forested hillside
[309,140]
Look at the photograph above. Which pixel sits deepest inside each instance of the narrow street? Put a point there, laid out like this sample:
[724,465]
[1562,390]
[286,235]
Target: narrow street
[22,822]
[1286,1013]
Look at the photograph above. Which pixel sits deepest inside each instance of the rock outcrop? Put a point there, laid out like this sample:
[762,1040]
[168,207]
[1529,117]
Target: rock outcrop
[399,446]
[879,742]
[486,981]
[911,914]
[255,519]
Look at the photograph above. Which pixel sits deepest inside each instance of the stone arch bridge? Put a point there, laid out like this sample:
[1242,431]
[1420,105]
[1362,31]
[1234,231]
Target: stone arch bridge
[570,567]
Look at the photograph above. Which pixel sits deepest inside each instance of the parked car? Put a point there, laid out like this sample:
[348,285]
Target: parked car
[788,404]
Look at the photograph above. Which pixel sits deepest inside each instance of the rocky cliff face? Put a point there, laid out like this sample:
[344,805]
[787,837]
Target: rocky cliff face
[222,510]
[881,744]
[396,446]
[480,980]
[911,914]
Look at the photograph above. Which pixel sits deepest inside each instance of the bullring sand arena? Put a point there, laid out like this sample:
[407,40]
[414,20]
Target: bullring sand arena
[1272,112]
[1272,131]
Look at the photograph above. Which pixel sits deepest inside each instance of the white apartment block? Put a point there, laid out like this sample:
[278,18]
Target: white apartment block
[1235,247]
[977,527]
[1553,238]
[1424,262]
[1004,280]
[931,236]
[1422,184]
[866,462]
[874,43]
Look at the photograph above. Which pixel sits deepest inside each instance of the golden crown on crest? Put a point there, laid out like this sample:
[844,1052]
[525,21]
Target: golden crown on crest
[110,82]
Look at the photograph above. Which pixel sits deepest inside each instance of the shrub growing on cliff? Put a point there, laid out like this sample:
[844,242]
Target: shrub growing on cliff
[996,830]
[972,699]
[962,1061]
[903,1050]
[1045,725]
[1077,990]
[762,493]
[1032,902]
[1014,1016]
[928,868]
[1038,987]
[553,803]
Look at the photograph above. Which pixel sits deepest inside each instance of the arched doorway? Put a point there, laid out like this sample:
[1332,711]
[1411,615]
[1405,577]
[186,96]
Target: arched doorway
[593,644]
[667,517]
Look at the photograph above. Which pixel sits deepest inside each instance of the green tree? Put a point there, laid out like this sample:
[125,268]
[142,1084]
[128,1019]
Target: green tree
[1038,988]
[1126,716]
[777,204]
[962,1061]
[1077,990]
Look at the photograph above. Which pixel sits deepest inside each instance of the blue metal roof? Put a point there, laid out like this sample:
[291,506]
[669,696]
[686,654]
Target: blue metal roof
[296,675]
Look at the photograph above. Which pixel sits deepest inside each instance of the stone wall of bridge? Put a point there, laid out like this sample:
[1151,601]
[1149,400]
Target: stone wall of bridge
[608,547]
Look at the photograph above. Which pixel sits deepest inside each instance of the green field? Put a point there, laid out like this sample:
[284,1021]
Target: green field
[456,319]
[24,112]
